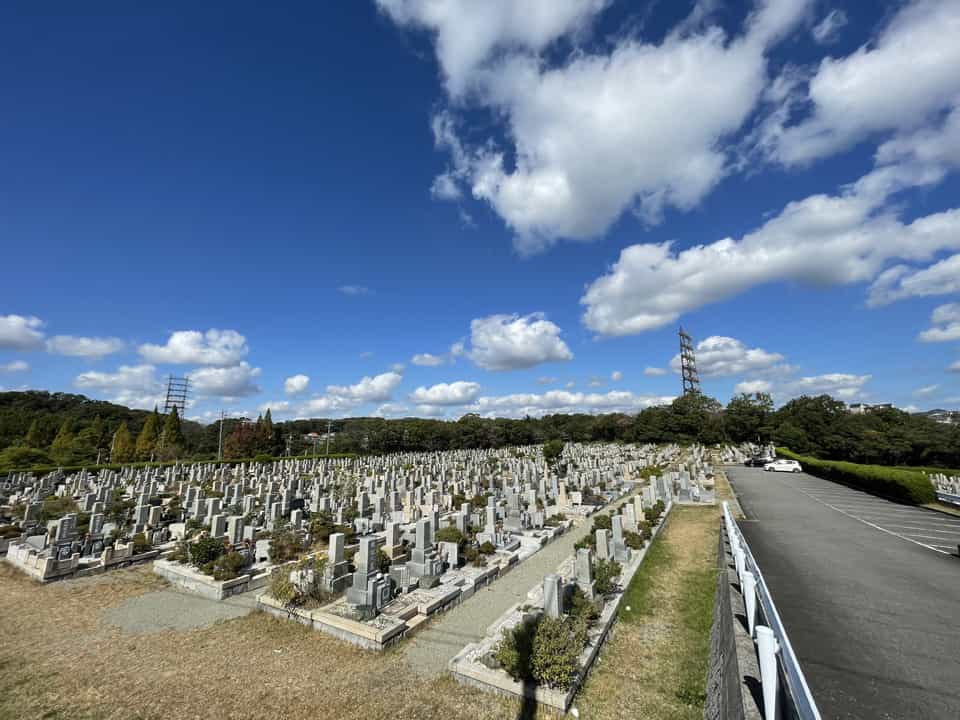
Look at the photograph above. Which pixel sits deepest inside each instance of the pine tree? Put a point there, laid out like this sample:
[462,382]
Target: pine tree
[123,448]
[266,433]
[33,438]
[173,439]
[147,440]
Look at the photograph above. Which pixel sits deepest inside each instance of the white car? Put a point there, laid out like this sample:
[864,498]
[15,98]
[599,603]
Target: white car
[783,465]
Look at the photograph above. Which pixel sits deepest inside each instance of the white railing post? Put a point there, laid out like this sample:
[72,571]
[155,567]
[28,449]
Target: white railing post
[750,599]
[767,649]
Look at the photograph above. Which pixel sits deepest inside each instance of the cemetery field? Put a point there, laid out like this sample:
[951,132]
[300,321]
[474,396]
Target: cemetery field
[59,658]
[655,665]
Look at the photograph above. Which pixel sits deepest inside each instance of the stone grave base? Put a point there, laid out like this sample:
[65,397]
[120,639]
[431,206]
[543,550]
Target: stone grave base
[187,579]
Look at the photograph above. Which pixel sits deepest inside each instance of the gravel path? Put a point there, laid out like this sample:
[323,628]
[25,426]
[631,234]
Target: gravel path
[430,649]
[169,610]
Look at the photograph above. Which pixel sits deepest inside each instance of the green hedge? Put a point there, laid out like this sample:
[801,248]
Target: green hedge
[910,486]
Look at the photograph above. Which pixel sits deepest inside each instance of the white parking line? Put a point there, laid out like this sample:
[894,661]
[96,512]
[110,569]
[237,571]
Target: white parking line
[926,529]
[935,548]
[899,518]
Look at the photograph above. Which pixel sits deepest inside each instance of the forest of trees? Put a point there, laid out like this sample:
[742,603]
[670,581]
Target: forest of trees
[41,429]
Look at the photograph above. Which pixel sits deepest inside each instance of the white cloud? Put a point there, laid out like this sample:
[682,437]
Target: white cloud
[455,393]
[753,386]
[398,367]
[561,401]
[296,384]
[236,381]
[955,367]
[640,128]
[369,389]
[130,385]
[900,281]
[354,290]
[15,366]
[392,410]
[654,371]
[276,407]
[826,31]
[326,405]
[19,332]
[821,240]
[841,385]
[428,360]
[570,385]
[616,376]
[86,347]
[546,380]
[214,347]
[895,83]
[596,382]
[946,324]
[511,342]
[468,32]
[926,391]
[719,356]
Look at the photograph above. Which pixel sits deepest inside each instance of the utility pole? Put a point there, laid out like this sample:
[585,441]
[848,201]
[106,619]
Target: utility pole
[329,425]
[220,440]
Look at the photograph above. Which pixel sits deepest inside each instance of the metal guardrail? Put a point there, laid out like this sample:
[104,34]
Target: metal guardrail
[774,651]
[948,498]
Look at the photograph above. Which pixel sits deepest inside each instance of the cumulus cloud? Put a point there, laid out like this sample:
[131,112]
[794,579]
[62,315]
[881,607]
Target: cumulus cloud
[428,360]
[455,393]
[214,347]
[512,342]
[955,367]
[841,385]
[86,347]
[926,391]
[719,356]
[370,389]
[236,381]
[895,83]
[131,385]
[392,410]
[15,366]
[19,332]
[616,376]
[276,407]
[826,31]
[753,386]
[821,240]
[562,401]
[654,371]
[946,324]
[900,282]
[296,384]
[639,128]
[546,380]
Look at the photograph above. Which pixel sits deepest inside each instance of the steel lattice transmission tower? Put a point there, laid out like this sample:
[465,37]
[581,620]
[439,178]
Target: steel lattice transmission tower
[688,365]
[178,389]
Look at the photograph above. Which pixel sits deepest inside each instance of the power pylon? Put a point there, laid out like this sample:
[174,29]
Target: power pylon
[688,365]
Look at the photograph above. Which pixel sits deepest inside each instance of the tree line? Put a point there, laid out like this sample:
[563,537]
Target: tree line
[39,428]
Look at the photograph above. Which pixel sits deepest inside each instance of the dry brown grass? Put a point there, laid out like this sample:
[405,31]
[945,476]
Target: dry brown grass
[655,665]
[58,660]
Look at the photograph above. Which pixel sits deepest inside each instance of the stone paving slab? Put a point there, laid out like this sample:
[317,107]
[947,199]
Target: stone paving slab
[169,610]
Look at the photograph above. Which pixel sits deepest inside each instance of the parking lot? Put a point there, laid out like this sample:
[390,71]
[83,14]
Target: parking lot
[937,531]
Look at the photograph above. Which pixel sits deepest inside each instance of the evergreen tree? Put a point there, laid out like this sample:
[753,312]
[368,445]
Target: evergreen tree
[149,435]
[33,438]
[266,434]
[63,445]
[123,449]
[173,439]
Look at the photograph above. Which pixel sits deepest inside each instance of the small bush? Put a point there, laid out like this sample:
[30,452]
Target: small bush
[205,550]
[583,608]
[605,574]
[515,648]
[633,540]
[488,548]
[280,587]
[285,545]
[557,644]
[141,544]
[449,534]
[228,566]
[602,522]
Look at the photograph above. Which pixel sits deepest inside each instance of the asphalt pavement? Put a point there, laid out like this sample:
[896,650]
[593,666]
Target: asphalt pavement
[867,590]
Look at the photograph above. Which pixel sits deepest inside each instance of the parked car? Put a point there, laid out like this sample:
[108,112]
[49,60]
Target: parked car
[783,465]
[759,460]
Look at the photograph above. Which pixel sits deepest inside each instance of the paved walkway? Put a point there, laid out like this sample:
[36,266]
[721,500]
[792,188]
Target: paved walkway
[870,602]
[430,649]
[171,610]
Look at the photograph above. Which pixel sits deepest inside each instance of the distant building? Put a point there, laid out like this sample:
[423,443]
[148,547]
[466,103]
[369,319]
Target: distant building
[862,408]
[945,417]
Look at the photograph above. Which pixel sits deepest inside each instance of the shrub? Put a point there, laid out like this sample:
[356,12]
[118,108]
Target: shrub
[205,550]
[515,648]
[633,540]
[448,534]
[583,608]
[488,548]
[228,565]
[557,644]
[141,544]
[285,545]
[602,522]
[605,573]
[181,552]
[555,520]
[585,542]
[909,486]
[280,587]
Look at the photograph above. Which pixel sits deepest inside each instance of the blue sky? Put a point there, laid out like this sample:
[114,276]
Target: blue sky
[431,207]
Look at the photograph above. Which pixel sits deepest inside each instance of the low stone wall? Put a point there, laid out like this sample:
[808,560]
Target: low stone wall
[733,675]
[365,635]
[185,578]
[43,568]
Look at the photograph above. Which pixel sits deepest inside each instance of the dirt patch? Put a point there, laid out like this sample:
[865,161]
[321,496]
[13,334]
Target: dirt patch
[59,658]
